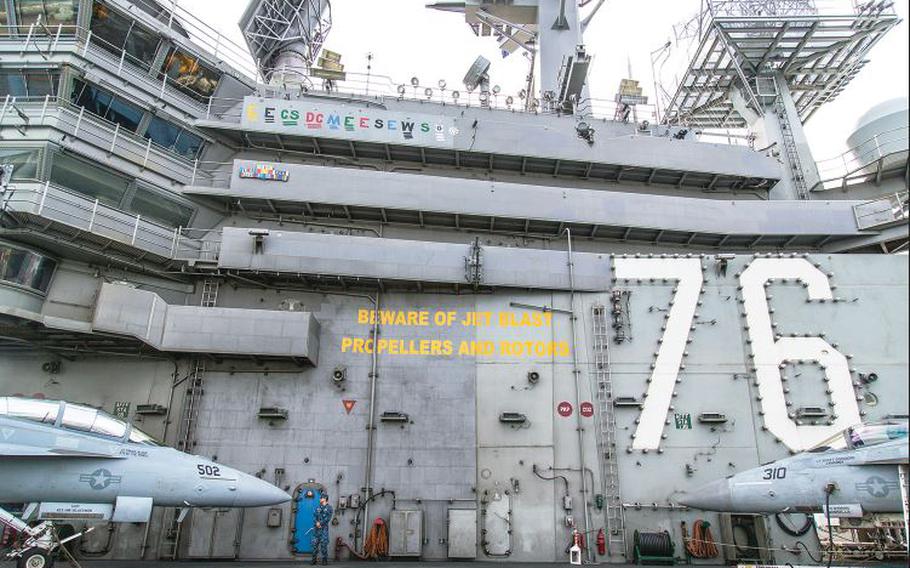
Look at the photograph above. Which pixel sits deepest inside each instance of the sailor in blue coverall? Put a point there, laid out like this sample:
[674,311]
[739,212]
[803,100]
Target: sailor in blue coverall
[322,516]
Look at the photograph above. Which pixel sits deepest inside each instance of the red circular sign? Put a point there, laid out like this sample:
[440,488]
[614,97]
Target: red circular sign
[586,409]
[564,408]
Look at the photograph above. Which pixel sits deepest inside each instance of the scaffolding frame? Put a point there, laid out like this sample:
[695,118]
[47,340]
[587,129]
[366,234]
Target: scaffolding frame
[742,42]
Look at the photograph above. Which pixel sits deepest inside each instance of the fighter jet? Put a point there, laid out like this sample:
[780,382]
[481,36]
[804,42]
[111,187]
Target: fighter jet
[73,462]
[853,473]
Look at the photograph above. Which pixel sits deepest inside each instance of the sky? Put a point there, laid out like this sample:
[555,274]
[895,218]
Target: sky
[407,40]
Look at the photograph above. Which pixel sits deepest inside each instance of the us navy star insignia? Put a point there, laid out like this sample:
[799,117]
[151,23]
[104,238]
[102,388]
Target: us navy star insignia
[100,479]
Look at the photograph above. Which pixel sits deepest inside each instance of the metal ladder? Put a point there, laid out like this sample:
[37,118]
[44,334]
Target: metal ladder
[616,534]
[170,538]
[786,132]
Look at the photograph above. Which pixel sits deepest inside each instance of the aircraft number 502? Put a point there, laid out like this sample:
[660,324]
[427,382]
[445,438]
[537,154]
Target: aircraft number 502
[774,473]
[209,470]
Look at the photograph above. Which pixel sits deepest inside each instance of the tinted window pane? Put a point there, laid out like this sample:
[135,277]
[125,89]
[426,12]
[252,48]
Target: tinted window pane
[89,179]
[116,32]
[162,132]
[26,268]
[4,20]
[188,144]
[109,28]
[42,84]
[158,207]
[24,162]
[124,114]
[92,98]
[13,84]
[105,105]
[51,12]
[189,75]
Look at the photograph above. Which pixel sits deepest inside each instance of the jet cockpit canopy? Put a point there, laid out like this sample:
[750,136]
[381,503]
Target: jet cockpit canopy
[864,435]
[77,417]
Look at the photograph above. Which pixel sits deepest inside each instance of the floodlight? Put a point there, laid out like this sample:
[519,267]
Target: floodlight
[477,73]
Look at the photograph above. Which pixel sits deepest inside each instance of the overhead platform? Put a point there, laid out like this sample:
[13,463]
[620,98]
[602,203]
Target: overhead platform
[817,50]
[428,201]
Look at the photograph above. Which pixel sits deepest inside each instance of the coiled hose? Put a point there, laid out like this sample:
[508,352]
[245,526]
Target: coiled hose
[376,545]
[654,544]
[701,545]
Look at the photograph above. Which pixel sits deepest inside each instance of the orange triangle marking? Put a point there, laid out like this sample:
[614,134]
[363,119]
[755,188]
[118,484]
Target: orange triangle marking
[348,405]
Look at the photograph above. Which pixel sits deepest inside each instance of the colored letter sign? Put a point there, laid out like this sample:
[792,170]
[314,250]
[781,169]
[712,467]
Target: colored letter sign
[586,409]
[564,408]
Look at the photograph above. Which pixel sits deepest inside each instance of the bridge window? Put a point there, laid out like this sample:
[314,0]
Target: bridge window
[26,268]
[189,75]
[117,33]
[104,104]
[173,137]
[4,19]
[153,205]
[24,161]
[89,179]
[50,12]
[28,84]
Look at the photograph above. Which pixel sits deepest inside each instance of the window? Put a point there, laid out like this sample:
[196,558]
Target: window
[79,417]
[24,161]
[31,409]
[140,437]
[155,206]
[104,104]
[89,179]
[107,425]
[185,72]
[28,84]
[172,137]
[4,19]
[117,33]
[26,268]
[51,13]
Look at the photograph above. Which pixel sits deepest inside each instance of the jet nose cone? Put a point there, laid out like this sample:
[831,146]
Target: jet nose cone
[254,492]
[714,496]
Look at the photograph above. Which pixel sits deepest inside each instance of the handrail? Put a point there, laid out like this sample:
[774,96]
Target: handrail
[71,119]
[63,205]
[892,208]
[863,155]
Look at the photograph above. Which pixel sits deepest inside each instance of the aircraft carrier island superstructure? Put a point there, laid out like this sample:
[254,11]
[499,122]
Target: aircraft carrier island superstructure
[491,319]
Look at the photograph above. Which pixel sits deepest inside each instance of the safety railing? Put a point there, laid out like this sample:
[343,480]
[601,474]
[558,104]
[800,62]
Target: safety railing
[880,151]
[55,203]
[80,124]
[196,245]
[887,210]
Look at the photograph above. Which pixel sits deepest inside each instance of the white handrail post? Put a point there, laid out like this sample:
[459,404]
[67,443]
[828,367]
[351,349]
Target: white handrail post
[114,139]
[122,59]
[88,39]
[79,121]
[91,222]
[43,197]
[148,148]
[3,109]
[47,100]
[57,36]
[208,109]
[195,167]
[28,37]
[135,230]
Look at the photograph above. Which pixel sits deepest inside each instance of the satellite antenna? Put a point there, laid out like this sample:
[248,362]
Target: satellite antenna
[478,76]
[285,36]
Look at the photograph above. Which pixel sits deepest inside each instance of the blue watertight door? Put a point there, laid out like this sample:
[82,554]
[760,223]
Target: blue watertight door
[307,501]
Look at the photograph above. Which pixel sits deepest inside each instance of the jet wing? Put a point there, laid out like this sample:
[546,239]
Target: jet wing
[20,451]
